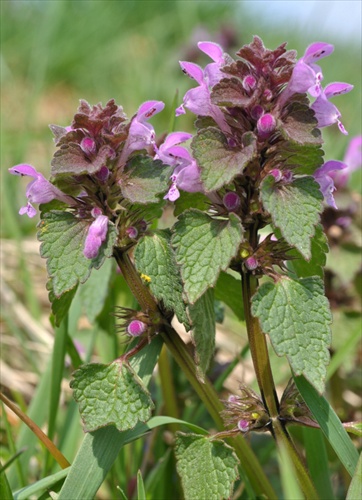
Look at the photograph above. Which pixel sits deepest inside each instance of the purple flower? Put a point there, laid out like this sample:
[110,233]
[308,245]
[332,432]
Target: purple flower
[186,176]
[198,99]
[326,112]
[38,190]
[325,181]
[353,160]
[97,234]
[186,173]
[168,151]
[141,133]
[212,71]
[307,76]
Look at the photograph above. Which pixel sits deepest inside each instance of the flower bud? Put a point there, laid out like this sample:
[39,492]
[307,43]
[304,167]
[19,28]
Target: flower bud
[243,425]
[88,145]
[277,174]
[136,328]
[251,263]
[287,176]
[266,124]
[132,232]
[96,212]
[231,201]
[249,83]
[268,94]
[103,174]
[142,225]
[256,112]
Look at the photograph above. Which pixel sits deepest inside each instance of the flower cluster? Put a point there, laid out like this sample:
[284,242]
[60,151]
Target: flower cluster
[91,168]
[260,92]
[245,412]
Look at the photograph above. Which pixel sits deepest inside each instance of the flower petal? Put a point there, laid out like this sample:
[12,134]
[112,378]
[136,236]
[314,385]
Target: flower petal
[337,88]
[24,169]
[213,50]
[316,51]
[193,71]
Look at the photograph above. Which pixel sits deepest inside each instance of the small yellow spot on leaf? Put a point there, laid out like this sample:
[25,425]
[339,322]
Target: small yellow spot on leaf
[146,278]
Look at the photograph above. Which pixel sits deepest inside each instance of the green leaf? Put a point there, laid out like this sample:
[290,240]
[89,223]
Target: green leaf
[191,200]
[319,249]
[70,159]
[296,316]
[355,488]
[144,179]
[330,424]
[60,305]
[303,159]
[204,247]
[300,123]
[294,209]
[94,292]
[218,163]
[202,316]
[63,236]
[155,258]
[110,394]
[228,290]
[208,468]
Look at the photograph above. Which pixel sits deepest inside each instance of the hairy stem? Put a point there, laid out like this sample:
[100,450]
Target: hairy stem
[264,375]
[259,348]
[205,391]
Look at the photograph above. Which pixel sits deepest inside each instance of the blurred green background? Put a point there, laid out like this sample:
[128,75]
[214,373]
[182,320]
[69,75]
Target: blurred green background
[56,52]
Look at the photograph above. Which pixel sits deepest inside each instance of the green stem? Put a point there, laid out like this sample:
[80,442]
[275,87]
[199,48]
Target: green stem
[168,388]
[205,391]
[260,356]
[259,348]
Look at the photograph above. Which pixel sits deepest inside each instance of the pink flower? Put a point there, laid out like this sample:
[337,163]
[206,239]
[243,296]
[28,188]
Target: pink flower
[186,173]
[141,133]
[38,190]
[97,234]
[326,112]
[325,181]
[307,76]
[198,99]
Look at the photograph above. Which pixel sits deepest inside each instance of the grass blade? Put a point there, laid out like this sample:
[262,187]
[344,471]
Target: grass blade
[40,486]
[355,488]
[5,490]
[330,424]
[318,461]
[141,494]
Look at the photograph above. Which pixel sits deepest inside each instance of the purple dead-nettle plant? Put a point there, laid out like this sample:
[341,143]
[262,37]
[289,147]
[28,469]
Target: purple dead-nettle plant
[257,185]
